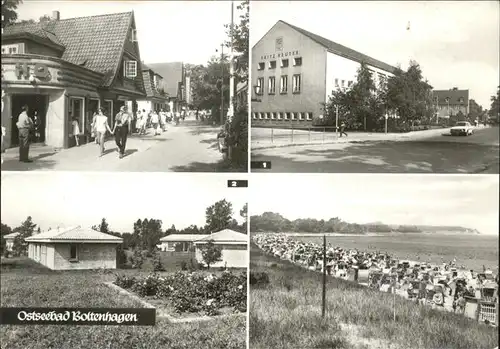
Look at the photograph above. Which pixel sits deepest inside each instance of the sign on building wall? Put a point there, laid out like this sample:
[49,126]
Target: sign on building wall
[24,71]
[280,55]
[279,44]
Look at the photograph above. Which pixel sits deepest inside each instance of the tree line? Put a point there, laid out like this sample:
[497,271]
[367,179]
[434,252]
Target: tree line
[274,222]
[405,99]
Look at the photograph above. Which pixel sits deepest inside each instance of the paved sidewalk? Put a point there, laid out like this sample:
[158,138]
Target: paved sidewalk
[178,147]
[261,137]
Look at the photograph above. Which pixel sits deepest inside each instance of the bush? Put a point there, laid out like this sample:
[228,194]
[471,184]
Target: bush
[184,265]
[259,279]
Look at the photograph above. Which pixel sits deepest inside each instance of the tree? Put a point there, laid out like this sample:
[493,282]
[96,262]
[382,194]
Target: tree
[211,253]
[4,230]
[475,110]
[409,95]
[148,232]
[20,246]
[240,35]
[494,111]
[218,216]
[42,19]
[244,212]
[9,14]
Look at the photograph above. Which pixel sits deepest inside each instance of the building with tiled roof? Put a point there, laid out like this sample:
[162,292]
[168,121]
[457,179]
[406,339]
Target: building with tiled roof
[9,240]
[74,248]
[233,245]
[156,98]
[294,72]
[179,242]
[68,68]
[451,102]
[173,83]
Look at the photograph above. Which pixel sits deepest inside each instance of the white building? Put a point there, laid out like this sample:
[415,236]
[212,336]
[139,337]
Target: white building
[234,247]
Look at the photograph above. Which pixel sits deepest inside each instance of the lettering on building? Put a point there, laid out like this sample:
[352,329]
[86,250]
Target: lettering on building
[40,71]
[280,55]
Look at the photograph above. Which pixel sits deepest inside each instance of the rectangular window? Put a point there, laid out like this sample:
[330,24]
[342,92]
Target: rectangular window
[260,87]
[296,83]
[133,35]
[13,49]
[280,116]
[284,84]
[294,116]
[76,111]
[301,116]
[272,65]
[73,252]
[287,116]
[108,111]
[253,116]
[309,116]
[284,63]
[336,82]
[297,61]
[271,87]
[342,83]
[349,84]
[273,116]
[129,69]
[261,66]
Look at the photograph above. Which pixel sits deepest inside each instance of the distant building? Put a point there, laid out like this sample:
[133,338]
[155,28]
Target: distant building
[451,102]
[294,72]
[74,248]
[241,94]
[156,98]
[68,68]
[9,241]
[173,82]
[179,242]
[234,248]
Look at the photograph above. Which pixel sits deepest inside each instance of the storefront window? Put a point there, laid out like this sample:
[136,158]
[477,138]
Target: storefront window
[108,111]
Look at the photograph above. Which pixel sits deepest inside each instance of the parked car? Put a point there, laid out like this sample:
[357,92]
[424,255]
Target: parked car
[462,128]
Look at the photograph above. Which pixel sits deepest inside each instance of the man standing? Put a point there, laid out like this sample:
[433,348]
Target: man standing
[25,125]
[122,124]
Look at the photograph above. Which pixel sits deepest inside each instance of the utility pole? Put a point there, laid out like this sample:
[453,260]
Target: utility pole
[222,84]
[231,68]
[323,298]
[337,120]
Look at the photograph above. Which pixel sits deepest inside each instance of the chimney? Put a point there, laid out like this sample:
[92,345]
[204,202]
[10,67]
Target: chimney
[56,15]
[455,88]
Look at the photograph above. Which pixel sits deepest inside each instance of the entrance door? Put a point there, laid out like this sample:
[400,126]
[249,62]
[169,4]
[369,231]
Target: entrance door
[38,103]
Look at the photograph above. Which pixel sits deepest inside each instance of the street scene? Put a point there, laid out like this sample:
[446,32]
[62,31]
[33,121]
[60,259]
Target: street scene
[360,259]
[78,96]
[405,104]
[429,151]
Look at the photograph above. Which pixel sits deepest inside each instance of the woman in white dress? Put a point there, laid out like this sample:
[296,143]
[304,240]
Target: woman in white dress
[76,130]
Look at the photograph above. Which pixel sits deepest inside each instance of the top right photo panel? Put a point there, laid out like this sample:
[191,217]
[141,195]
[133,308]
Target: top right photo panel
[381,87]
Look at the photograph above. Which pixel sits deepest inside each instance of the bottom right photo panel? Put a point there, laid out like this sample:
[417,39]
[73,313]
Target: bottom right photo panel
[374,261]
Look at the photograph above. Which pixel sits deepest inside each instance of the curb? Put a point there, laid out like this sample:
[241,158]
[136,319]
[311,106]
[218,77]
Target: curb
[163,315]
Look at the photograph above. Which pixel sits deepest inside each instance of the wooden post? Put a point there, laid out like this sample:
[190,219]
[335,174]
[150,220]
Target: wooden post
[291,126]
[323,307]
[309,134]
[272,135]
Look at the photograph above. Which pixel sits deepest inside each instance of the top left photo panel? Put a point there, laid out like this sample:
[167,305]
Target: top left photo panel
[129,86]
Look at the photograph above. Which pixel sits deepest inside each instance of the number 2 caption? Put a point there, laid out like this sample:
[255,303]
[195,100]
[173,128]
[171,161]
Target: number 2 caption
[237,183]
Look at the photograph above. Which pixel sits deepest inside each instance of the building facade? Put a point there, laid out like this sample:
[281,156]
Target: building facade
[9,241]
[294,72]
[74,248]
[173,82]
[450,102]
[233,245]
[156,98]
[65,69]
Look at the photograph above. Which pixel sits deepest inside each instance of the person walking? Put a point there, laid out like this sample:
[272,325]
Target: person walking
[120,130]
[24,125]
[101,125]
[155,121]
[76,130]
[93,132]
[342,129]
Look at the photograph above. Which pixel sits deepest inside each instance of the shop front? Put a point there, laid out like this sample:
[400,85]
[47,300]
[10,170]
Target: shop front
[58,92]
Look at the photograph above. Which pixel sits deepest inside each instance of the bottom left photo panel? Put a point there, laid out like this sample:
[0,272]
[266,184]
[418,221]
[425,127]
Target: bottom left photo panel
[129,260]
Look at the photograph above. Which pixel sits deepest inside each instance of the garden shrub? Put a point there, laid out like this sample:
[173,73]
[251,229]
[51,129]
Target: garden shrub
[259,279]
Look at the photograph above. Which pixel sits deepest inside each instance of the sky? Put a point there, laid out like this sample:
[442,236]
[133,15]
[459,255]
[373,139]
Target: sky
[168,31]
[463,200]
[69,198]
[455,42]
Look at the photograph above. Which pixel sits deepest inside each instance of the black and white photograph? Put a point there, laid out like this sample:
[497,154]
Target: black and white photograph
[153,86]
[370,86]
[174,243]
[384,261]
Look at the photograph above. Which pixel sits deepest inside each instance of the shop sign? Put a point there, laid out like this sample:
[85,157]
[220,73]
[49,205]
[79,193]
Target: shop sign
[280,55]
[40,71]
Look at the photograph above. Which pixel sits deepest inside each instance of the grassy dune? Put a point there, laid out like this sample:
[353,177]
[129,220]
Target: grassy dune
[287,314]
[24,283]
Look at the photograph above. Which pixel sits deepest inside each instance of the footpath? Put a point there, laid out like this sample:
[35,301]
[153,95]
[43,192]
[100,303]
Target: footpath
[262,139]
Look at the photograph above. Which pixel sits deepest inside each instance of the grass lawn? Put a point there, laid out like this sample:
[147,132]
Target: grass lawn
[25,283]
[287,314]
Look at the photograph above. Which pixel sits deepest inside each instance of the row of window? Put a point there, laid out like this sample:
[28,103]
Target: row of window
[282,116]
[297,61]
[283,87]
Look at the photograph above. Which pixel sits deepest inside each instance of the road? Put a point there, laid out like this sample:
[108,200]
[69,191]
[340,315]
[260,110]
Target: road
[478,153]
[189,147]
